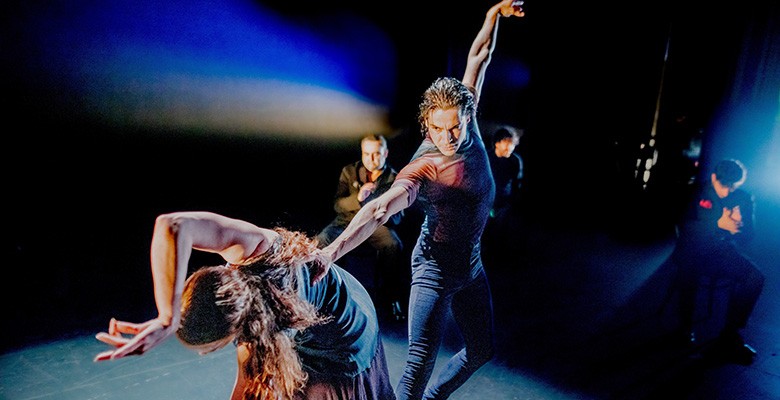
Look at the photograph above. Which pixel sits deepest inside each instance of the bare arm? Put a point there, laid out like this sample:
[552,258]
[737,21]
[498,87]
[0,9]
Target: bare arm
[174,237]
[176,234]
[242,355]
[372,215]
[485,42]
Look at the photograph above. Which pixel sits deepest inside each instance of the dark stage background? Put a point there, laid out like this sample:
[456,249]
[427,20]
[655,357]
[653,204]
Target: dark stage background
[582,79]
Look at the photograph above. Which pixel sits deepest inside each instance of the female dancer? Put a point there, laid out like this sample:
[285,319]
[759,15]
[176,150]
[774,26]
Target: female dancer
[294,340]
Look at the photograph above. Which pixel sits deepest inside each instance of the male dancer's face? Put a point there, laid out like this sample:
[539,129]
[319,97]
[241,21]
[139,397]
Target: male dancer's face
[445,130]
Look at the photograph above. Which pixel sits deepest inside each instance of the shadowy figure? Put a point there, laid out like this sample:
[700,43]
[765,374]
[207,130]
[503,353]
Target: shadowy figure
[504,222]
[712,243]
[359,183]
[507,168]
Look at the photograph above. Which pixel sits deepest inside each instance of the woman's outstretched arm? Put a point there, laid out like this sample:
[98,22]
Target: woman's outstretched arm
[175,236]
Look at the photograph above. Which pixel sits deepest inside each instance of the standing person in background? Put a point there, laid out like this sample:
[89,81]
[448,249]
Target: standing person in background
[293,339]
[450,175]
[359,183]
[507,169]
[712,242]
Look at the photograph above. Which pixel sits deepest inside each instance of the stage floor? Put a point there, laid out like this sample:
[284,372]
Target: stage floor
[579,315]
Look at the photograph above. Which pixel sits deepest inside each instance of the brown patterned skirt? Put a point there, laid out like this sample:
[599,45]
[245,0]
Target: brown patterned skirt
[371,384]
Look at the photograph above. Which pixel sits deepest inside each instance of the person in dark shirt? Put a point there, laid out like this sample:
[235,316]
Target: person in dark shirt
[449,177]
[507,168]
[712,242]
[359,183]
[503,226]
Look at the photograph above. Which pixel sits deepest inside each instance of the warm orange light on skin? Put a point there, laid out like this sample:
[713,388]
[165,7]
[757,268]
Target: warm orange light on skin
[504,148]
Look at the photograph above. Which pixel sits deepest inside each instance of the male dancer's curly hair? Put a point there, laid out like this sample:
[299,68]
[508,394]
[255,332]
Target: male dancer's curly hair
[257,304]
[445,93]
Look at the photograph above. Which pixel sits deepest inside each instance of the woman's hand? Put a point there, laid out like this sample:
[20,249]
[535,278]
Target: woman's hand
[146,336]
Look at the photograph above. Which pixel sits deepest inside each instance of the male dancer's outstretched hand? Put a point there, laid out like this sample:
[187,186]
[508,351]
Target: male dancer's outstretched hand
[319,265]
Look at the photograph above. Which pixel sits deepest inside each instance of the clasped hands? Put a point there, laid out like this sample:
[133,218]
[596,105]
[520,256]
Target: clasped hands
[731,220]
[366,191]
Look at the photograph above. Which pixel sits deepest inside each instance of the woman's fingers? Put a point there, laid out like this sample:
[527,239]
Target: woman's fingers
[128,328]
[113,340]
[106,355]
[144,337]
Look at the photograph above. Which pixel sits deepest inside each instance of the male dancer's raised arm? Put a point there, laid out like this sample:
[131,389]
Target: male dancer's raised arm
[376,212]
[482,48]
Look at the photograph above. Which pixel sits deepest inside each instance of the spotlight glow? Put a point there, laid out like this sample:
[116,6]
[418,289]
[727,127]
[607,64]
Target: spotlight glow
[231,66]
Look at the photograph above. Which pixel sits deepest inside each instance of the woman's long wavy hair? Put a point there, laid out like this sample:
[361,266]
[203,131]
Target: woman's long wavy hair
[259,306]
